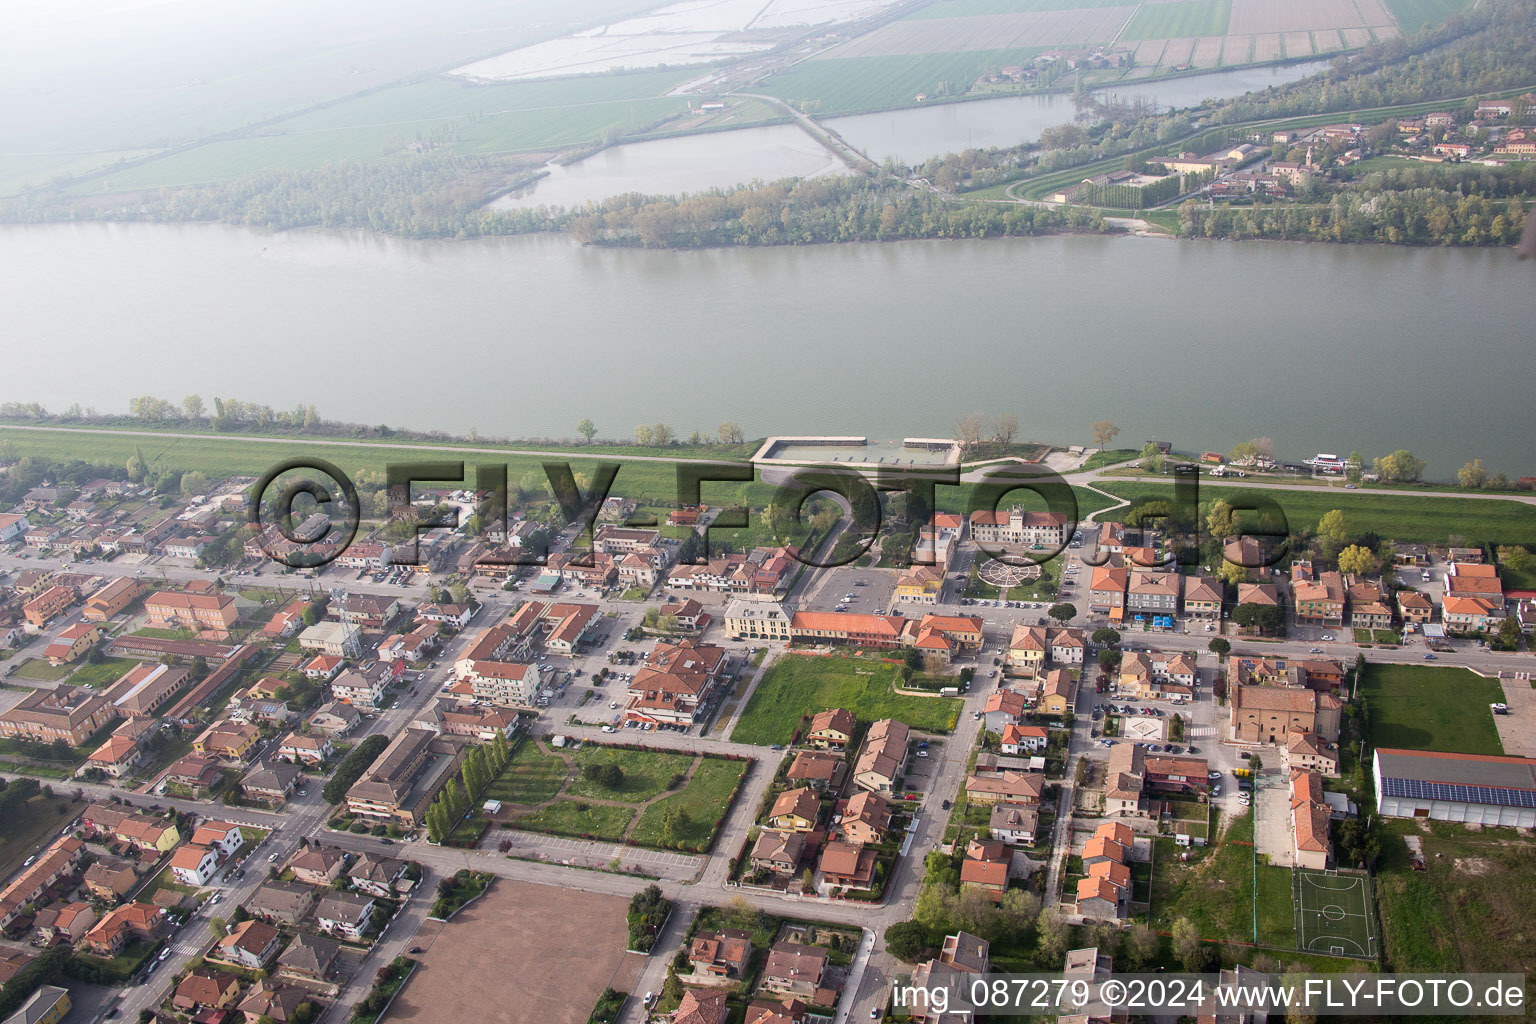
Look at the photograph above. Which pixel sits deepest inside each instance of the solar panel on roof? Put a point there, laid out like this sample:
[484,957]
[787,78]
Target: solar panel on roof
[1415,789]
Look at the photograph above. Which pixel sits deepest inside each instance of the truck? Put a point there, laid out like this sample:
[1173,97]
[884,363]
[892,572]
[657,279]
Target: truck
[950,691]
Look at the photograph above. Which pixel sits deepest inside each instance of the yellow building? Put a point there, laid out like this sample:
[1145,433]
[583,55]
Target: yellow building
[47,1005]
[1057,692]
[230,740]
[922,584]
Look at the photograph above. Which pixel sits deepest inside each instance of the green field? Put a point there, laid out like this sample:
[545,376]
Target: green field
[509,118]
[705,800]
[572,818]
[1427,518]
[531,777]
[973,8]
[849,84]
[38,819]
[1418,707]
[1413,15]
[1178,20]
[1469,910]
[39,671]
[647,773]
[798,685]
[102,673]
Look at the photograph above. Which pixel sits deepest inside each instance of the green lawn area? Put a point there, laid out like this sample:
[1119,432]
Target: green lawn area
[1413,15]
[531,777]
[38,670]
[572,818]
[1181,19]
[843,85]
[1214,889]
[1420,707]
[647,773]
[1422,518]
[1110,457]
[798,685]
[1470,910]
[102,673]
[37,819]
[704,800]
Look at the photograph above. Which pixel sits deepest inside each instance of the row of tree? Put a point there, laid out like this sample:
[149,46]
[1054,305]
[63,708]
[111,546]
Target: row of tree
[481,766]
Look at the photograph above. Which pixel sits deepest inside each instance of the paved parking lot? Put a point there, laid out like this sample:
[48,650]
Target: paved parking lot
[1517,730]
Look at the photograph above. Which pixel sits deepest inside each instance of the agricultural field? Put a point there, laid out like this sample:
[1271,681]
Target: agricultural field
[1419,707]
[468,118]
[1413,15]
[799,684]
[977,8]
[1181,18]
[992,32]
[1468,910]
[1424,519]
[847,85]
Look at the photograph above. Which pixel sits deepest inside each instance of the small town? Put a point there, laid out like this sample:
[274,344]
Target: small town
[731,781]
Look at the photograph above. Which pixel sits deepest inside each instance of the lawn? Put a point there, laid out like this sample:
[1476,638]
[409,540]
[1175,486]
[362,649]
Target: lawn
[38,670]
[1417,518]
[704,800]
[531,777]
[1413,15]
[647,773]
[572,818]
[1214,889]
[1182,19]
[1470,910]
[38,819]
[102,673]
[1420,707]
[845,85]
[798,685]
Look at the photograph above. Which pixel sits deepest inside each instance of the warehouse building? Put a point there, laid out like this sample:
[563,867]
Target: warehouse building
[1484,789]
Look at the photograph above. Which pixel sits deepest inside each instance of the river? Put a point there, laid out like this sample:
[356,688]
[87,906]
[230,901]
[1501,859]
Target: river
[694,163]
[1323,348]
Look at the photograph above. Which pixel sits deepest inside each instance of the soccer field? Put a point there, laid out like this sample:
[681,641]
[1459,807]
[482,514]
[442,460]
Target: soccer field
[1334,914]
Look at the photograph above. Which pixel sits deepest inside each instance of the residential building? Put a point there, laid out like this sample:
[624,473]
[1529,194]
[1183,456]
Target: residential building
[365,687]
[72,643]
[48,605]
[206,988]
[1312,753]
[880,631]
[677,683]
[984,788]
[777,851]
[131,922]
[1013,822]
[111,879]
[313,748]
[375,875]
[1309,821]
[816,769]
[795,970]
[366,611]
[1106,591]
[1099,898]
[1023,739]
[194,865]
[1202,598]
[1153,595]
[270,783]
[55,864]
[272,1001]
[286,903]
[849,865]
[229,740]
[117,757]
[866,819]
[309,957]
[698,1007]
[49,1004]
[251,944]
[317,865]
[921,584]
[345,914]
[986,867]
[1004,708]
[1320,602]
[65,923]
[884,756]
[795,810]
[334,639]
[1414,607]
[1124,779]
[335,719]
[1058,693]
[831,729]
